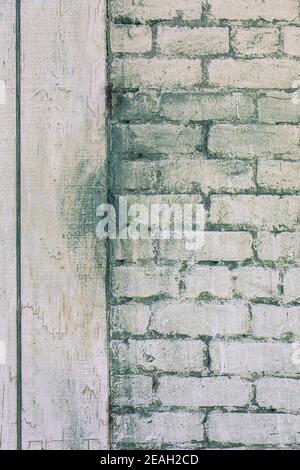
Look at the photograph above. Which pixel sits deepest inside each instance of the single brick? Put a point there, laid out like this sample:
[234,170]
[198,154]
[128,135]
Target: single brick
[206,107]
[256,41]
[264,212]
[218,246]
[144,10]
[159,428]
[200,320]
[155,73]
[156,138]
[254,428]
[132,390]
[205,280]
[129,38]
[248,141]
[144,282]
[273,247]
[278,175]
[278,108]
[254,9]
[270,321]
[281,394]
[192,41]
[206,391]
[291,40]
[249,357]
[133,250]
[130,318]
[159,354]
[137,175]
[254,73]
[183,176]
[135,106]
[256,282]
[291,285]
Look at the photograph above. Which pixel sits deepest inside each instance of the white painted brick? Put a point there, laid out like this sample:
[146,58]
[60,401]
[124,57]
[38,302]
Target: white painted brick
[246,141]
[132,390]
[144,282]
[129,38]
[279,175]
[256,282]
[195,320]
[281,394]
[254,73]
[273,247]
[291,39]
[291,285]
[206,391]
[218,246]
[156,9]
[254,428]
[271,321]
[205,107]
[159,354]
[246,358]
[214,281]
[159,428]
[256,41]
[192,41]
[133,250]
[265,212]
[255,9]
[278,107]
[130,318]
[135,106]
[156,138]
[156,73]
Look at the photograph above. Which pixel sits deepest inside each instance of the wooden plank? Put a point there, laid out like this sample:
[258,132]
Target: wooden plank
[64,376]
[8,434]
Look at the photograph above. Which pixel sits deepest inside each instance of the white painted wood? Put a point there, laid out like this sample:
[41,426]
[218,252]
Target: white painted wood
[8,434]
[64,378]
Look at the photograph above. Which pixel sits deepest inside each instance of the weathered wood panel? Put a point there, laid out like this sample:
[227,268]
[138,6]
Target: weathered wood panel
[64,376]
[8,434]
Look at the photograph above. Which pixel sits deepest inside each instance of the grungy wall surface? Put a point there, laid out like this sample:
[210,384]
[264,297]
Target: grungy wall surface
[205,109]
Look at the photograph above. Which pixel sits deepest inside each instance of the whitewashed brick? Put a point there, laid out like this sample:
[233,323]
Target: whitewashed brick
[277,108]
[273,247]
[205,391]
[256,41]
[195,320]
[132,390]
[130,318]
[156,9]
[256,282]
[246,141]
[281,394]
[270,321]
[156,73]
[255,9]
[254,428]
[159,354]
[214,281]
[291,285]
[192,41]
[144,282]
[133,250]
[159,428]
[291,39]
[129,38]
[254,73]
[246,358]
[279,175]
[264,212]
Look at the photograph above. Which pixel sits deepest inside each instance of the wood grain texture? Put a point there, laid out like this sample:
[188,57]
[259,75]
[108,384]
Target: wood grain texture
[64,378]
[8,434]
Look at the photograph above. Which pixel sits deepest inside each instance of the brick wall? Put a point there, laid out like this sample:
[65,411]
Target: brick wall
[202,111]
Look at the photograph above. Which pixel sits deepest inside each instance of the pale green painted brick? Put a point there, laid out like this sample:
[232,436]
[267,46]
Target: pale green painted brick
[278,175]
[144,10]
[256,41]
[278,107]
[131,39]
[271,321]
[255,9]
[273,247]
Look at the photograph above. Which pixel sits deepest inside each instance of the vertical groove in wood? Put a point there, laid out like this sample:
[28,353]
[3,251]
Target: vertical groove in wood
[64,356]
[8,414]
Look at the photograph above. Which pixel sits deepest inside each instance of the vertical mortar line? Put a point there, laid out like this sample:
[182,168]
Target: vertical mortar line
[110,200]
[18,227]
